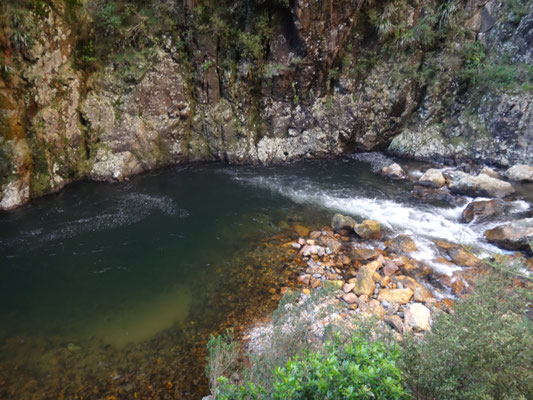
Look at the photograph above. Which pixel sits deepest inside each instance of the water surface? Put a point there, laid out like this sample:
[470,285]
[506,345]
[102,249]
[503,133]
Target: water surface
[112,289]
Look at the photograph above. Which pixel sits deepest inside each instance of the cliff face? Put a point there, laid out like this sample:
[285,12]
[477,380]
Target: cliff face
[104,90]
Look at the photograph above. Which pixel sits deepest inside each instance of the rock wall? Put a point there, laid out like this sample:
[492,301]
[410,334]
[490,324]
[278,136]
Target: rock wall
[322,79]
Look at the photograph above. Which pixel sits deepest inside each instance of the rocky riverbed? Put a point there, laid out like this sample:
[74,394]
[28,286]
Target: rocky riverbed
[374,272]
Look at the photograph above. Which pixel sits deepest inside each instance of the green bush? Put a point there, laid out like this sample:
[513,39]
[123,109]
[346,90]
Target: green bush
[359,369]
[484,350]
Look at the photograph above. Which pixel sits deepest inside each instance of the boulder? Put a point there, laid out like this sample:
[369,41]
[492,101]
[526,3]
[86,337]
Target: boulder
[422,294]
[368,229]
[401,296]
[516,235]
[394,322]
[520,173]
[340,221]
[482,210]
[400,244]
[490,172]
[418,317]
[365,279]
[394,171]
[430,194]
[481,185]
[465,258]
[432,177]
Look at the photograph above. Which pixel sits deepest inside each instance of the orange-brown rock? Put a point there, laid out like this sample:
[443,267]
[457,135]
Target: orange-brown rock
[401,296]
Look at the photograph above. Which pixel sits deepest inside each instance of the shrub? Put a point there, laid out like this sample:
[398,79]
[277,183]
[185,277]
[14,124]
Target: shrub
[291,362]
[359,369]
[222,356]
[484,350]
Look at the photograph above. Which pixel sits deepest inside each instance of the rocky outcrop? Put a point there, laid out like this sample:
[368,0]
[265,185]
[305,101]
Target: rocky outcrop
[316,83]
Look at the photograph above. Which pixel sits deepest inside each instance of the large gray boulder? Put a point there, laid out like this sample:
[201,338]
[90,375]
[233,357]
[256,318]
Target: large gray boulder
[516,235]
[481,185]
[520,173]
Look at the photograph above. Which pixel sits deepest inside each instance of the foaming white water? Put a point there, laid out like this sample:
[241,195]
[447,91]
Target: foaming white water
[423,222]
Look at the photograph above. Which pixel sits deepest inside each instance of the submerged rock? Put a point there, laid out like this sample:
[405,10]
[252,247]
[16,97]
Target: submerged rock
[394,171]
[481,185]
[340,221]
[432,177]
[482,210]
[520,173]
[516,235]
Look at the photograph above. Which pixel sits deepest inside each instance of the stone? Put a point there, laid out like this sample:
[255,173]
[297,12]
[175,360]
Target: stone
[315,235]
[305,279]
[418,317]
[465,258]
[301,230]
[348,287]
[395,322]
[480,185]
[490,172]
[340,221]
[331,243]
[296,245]
[368,229]
[16,193]
[516,235]
[375,308]
[365,253]
[365,279]
[390,268]
[401,244]
[482,210]
[520,173]
[394,171]
[432,177]
[458,286]
[349,298]
[401,296]
[430,194]
[422,295]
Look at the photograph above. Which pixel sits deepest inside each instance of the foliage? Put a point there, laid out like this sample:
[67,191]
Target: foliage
[437,19]
[358,369]
[222,353]
[481,351]
[355,363]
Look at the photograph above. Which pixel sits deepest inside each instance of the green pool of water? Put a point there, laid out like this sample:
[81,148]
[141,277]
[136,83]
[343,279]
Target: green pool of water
[113,289]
